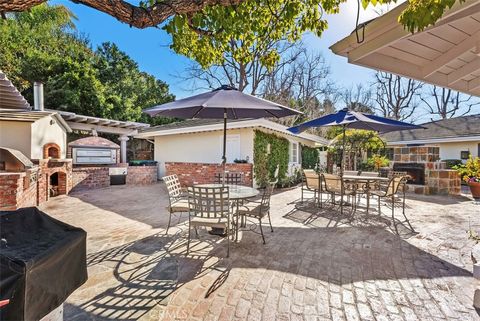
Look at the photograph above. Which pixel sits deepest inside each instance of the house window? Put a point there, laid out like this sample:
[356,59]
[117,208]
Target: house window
[293,152]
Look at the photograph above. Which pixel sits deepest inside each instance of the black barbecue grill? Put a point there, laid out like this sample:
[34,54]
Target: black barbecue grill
[42,261]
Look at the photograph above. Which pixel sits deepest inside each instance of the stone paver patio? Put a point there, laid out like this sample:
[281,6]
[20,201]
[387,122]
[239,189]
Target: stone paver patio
[315,266]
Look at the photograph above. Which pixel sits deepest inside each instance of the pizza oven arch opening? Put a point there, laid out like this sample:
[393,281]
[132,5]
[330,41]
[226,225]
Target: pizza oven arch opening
[57,183]
[51,150]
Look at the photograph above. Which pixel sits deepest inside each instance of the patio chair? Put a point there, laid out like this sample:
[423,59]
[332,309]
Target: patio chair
[335,185]
[209,207]
[259,209]
[390,192]
[312,183]
[231,178]
[351,173]
[177,199]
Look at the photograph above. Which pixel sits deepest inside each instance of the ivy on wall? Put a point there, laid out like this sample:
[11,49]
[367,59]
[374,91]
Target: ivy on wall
[309,157]
[266,159]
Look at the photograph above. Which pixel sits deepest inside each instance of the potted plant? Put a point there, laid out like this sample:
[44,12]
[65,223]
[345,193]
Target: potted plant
[470,173]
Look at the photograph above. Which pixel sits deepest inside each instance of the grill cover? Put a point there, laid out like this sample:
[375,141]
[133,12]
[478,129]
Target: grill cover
[42,261]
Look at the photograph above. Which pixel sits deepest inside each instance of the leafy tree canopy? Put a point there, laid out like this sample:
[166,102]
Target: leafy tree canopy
[207,34]
[43,45]
[418,15]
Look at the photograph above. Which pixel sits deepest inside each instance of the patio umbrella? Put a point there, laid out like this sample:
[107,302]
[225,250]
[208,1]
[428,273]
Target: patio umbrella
[222,103]
[349,119]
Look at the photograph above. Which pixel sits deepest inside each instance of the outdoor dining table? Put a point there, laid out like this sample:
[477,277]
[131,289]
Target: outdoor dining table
[365,182]
[237,193]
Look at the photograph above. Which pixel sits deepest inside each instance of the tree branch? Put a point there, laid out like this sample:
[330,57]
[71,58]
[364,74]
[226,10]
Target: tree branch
[136,16]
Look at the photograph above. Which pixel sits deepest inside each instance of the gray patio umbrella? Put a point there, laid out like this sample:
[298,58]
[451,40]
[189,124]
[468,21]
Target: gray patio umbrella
[222,103]
[349,119]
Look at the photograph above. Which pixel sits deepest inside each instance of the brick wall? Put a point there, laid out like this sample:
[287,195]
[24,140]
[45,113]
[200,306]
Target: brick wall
[142,175]
[48,167]
[204,173]
[90,177]
[17,191]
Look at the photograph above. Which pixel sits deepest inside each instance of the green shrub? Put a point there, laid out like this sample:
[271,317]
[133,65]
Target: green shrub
[375,162]
[309,157]
[451,163]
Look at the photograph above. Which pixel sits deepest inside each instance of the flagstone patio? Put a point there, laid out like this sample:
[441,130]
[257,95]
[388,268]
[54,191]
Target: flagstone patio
[315,266]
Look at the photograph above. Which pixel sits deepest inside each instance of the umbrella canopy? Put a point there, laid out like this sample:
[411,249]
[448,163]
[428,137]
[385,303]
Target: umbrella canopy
[349,119]
[222,103]
[215,103]
[355,120]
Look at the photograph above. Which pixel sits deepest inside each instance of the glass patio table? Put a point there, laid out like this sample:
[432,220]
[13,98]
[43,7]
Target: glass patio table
[365,183]
[236,193]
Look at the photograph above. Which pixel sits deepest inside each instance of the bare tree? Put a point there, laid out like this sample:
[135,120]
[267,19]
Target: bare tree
[358,98]
[246,77]
[396,97]
[446,103]
[303,84]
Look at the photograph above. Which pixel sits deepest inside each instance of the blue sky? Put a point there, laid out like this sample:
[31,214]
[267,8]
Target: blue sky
[150,47]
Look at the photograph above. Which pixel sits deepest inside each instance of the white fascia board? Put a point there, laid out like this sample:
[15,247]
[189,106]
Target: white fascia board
[436,140]
[261,122]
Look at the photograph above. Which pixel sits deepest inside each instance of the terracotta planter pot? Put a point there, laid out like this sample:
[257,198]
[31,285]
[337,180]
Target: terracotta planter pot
[475,189]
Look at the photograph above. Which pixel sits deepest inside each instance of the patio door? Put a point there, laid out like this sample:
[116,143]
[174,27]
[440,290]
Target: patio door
[233,148]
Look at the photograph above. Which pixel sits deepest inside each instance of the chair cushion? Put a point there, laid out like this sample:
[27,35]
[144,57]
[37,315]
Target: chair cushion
[211,222]
[180,205]
[252,209]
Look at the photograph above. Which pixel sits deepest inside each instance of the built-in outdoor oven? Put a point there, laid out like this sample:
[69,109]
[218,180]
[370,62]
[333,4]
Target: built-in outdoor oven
[416,171]
[82,155]
[93,151]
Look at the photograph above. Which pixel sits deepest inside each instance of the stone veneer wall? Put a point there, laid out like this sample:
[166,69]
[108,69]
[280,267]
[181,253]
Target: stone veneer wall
[204,173]
[438,179]
[421,154]
[438,182]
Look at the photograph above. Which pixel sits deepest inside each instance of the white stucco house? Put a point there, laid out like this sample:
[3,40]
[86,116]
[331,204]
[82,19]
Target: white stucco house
[456,137]
[200,141]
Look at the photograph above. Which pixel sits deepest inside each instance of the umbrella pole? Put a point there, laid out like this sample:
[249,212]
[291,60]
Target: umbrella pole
[224,158]
[342,163]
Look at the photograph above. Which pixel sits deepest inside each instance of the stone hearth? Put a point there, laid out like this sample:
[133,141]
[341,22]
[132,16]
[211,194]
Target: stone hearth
[436,178]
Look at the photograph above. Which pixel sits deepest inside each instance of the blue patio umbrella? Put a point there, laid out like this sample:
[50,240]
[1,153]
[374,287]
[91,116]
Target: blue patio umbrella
[349,119]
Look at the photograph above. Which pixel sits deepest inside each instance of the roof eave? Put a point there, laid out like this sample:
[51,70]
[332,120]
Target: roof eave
[251,123]
[452,139]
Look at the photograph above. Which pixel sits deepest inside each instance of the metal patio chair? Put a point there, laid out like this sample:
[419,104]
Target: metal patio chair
[335,185]
[259,209]
[390,193]
[177,199]
[312,183]
[231,178]
[209,207]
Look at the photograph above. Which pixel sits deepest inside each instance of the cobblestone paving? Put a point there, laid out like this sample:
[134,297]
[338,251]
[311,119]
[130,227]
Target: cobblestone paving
[315,266]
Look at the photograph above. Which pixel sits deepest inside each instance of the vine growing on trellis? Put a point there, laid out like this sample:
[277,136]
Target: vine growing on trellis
[269,151]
